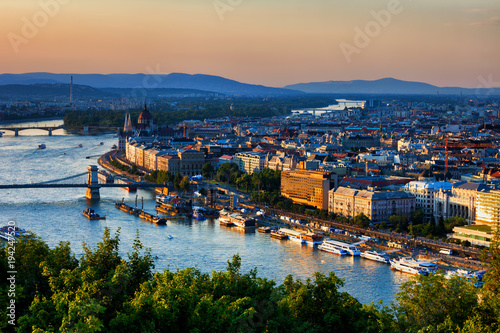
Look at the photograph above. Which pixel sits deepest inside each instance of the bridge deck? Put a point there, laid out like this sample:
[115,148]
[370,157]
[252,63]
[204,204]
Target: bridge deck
[16,186]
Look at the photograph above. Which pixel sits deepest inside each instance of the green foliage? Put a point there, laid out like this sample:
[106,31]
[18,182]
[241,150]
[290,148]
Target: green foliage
[159,177]
[431,303]
[105,292]
[185,184]
[200,109]
[84,295]
[228,173]
[131,170]
[207,170]
[361,220]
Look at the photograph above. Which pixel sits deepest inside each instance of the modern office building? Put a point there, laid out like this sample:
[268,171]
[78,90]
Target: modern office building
[306,187]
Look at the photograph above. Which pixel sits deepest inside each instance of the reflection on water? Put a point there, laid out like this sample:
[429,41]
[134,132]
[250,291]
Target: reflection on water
[56,215]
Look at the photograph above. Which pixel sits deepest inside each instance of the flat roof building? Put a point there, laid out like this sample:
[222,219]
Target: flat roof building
[306,187]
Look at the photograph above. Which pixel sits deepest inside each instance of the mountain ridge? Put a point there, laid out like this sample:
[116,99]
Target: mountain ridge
[225,86]
[140,81]
[386,85]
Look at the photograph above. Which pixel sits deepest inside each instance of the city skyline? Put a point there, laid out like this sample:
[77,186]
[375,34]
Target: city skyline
[446,43]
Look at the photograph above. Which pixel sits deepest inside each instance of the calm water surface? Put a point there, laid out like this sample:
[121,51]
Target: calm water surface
[56,215]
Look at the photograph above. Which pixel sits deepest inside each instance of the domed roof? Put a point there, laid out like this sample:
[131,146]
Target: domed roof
[145,115]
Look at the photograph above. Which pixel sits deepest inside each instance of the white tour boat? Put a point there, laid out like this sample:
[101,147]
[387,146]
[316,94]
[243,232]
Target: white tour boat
[332,248]
[412,266]
[376,256]
[349,248]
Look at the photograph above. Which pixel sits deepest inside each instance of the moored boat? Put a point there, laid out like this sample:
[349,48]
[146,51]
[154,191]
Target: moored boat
[278,235]
[332,248]
[264,229]
[412,266]
[163,199]
[238,220]
[91,215]
[349,248]
[10,232]
[312,239]
[152,218]
[127,209]
[474,277]
[293,235]
[376,256]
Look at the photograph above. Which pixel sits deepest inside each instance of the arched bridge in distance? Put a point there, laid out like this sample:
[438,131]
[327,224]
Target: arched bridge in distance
[50,129]
[91,183]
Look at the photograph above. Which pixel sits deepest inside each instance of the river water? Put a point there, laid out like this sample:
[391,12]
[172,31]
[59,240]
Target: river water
[56,215]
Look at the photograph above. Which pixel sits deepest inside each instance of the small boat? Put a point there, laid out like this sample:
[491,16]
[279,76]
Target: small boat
[101,143]
[376,256]
[80,145]
[42,146]
[91,215]
[170,237]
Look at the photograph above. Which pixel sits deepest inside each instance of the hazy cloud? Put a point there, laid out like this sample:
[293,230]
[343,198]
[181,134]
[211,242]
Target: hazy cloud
[494,20]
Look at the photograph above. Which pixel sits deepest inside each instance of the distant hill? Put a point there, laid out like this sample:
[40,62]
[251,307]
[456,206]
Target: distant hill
[52,90]
[142,81]
[386,86]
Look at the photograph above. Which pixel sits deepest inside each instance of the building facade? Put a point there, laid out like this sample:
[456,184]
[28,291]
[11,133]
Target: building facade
[424,192]
[191,162]
[306,187]
[461,201]
[377,206]
[488,209]
[250,162]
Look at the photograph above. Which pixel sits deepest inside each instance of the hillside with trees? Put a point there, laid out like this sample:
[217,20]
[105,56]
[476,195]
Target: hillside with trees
[105,292]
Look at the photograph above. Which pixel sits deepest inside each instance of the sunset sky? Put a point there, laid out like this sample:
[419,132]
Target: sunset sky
[269,42]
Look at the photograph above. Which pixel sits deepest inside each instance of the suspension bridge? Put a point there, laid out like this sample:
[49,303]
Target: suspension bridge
[92,183]
[50,129]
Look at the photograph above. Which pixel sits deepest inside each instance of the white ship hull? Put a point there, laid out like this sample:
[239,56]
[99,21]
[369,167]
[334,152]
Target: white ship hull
[375,257]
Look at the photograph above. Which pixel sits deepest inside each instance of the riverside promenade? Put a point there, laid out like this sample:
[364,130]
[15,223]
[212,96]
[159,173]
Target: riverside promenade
[466,256]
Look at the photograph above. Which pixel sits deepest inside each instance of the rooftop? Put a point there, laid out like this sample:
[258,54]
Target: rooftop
[482,228]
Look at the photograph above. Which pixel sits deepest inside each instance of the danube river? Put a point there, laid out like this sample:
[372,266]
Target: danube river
[56,215]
